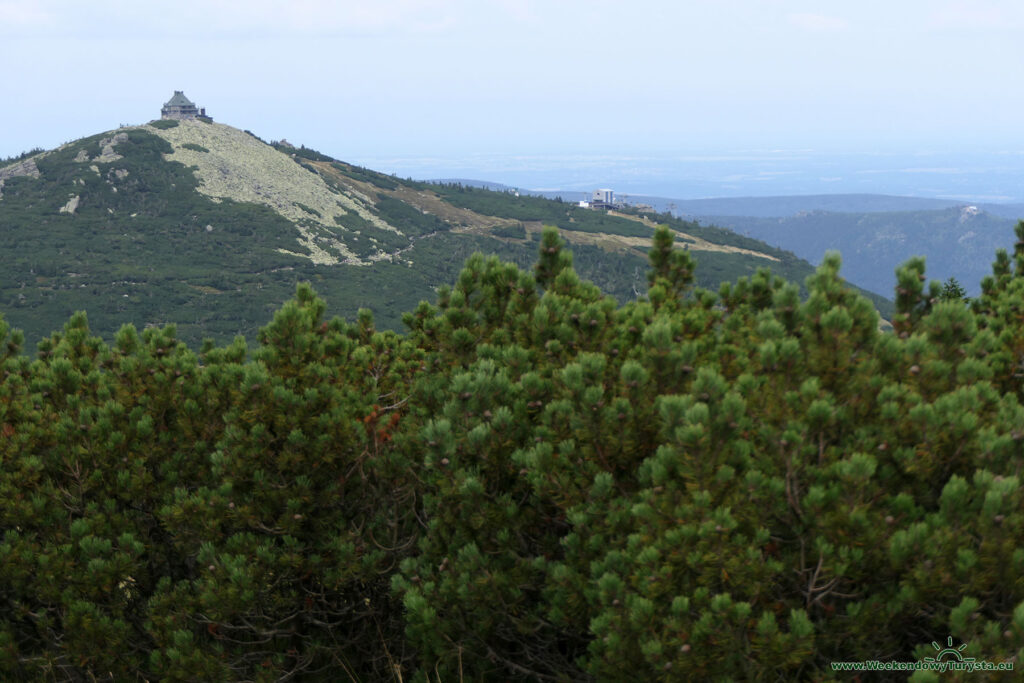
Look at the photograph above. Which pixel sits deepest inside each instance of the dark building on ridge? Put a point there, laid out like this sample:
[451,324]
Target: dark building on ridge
[180,107]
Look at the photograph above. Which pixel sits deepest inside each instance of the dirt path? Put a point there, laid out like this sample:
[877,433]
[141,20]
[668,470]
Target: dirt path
[695,243]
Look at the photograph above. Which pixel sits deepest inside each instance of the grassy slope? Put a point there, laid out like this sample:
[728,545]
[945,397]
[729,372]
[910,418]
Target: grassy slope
[137,249]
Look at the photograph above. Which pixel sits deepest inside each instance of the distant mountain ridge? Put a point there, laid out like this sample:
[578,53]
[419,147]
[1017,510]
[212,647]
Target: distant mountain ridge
[787,206]
[874,233]
[469,182]
[958,242]
[790,205]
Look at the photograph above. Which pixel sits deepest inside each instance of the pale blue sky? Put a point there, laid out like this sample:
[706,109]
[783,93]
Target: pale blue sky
[448,77]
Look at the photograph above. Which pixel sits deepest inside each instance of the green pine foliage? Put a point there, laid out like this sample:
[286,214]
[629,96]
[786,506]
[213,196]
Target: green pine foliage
[534,482]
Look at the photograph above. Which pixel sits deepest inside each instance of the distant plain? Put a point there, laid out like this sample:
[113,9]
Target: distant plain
[972,176]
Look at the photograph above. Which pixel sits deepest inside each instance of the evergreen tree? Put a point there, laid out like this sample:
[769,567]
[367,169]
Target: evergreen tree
[534,483]
[952,290]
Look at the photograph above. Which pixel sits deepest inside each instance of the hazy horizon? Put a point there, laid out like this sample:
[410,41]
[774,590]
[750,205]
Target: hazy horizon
[456,80]
[977,177]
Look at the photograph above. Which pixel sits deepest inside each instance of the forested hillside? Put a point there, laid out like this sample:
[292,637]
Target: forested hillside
[209,227]
[957,242]
[534,482]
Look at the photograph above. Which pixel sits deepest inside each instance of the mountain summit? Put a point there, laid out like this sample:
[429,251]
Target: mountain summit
[187,221]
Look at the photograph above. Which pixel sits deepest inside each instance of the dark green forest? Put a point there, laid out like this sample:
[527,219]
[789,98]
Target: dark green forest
[957,241]
[534,482]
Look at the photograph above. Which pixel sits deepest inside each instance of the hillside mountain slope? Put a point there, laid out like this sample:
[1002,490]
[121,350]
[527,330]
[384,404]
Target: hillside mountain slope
[208,227]
[956,242]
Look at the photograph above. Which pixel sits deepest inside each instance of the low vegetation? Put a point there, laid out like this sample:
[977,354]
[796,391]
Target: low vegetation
[533,482]
[20,157]
[165,232]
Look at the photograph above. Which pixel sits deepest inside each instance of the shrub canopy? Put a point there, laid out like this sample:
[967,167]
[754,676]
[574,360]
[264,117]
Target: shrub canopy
[533,483]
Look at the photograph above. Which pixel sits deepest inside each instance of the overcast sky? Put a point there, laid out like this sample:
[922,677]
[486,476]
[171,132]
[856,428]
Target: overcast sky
[449,77]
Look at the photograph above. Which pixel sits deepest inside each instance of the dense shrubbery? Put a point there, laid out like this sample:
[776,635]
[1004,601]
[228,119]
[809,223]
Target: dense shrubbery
[20,157]
[366,175]
[528,208]
[515,232]
[412,220]
[534,483]
[302,152]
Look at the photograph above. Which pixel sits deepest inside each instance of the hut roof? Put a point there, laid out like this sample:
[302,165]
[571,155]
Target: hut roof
[179,100]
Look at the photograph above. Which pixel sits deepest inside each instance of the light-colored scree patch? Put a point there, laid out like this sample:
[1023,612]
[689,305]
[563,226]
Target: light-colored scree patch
[107,153]
[239,167]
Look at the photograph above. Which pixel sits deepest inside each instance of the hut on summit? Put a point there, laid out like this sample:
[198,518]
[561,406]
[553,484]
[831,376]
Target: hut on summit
[180,107]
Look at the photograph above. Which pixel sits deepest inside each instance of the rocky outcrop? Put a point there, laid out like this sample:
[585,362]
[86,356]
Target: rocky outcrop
[72,205]
[107,153]
[967,213]
[26,167]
